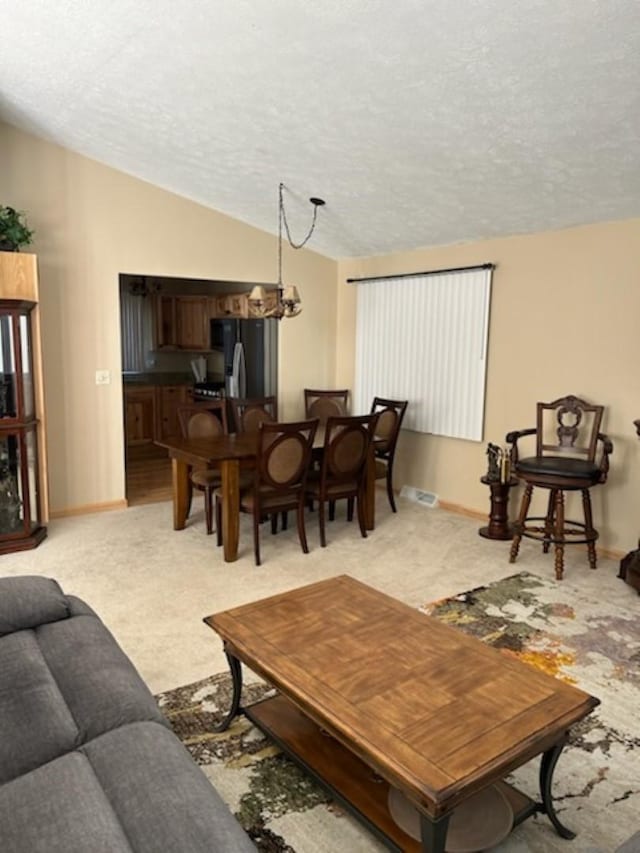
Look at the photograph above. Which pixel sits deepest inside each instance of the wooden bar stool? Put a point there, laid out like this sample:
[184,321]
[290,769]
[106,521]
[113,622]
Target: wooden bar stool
[571,454]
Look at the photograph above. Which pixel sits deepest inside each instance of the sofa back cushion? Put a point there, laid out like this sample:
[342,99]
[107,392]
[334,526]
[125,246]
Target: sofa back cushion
[30,600]
[37,725]
[63,677]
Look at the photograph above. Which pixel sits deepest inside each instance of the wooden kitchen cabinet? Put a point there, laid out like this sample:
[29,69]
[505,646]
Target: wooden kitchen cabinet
[212,306]
[166,322]
[182,322]
[192,320]
[140,414]
[170,398]
[232,305]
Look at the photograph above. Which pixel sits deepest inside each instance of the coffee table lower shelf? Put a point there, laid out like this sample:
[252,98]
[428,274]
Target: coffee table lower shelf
[349,780]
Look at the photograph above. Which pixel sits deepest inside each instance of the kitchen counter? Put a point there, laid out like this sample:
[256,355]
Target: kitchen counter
[157,378]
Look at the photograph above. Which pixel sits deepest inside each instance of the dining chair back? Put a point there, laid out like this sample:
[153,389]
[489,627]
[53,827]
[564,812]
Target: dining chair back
[347,444]
[325,404]
[282,463]
[203,420]
[250,412]
[390,416]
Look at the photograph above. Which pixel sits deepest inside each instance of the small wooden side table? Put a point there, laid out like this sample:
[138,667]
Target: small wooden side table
[498,527]
[630,569]
[630,565]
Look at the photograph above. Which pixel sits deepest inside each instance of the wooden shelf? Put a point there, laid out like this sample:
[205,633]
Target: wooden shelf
[349,780]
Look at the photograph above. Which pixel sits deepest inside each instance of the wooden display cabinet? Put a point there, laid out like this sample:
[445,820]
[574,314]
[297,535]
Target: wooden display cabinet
[23,497]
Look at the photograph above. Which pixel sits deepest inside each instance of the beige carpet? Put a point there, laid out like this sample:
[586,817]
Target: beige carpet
[153,585]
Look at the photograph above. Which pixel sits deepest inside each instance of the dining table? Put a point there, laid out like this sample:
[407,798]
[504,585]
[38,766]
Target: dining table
[232,453]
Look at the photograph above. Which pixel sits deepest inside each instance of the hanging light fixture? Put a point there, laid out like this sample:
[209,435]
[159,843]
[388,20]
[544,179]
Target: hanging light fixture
[142,286]
[287,298]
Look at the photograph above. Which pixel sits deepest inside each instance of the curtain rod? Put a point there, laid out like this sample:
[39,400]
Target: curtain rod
[427,272]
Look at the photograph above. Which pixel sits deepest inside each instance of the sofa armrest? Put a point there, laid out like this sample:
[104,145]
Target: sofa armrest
[78,607]
[28,601]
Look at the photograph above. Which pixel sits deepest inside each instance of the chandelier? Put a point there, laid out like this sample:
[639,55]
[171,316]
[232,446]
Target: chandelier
[142,286]
[287,302]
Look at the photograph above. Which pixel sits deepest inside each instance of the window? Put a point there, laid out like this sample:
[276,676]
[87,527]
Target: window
[423,338]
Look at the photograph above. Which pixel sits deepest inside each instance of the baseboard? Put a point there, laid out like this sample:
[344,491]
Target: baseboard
[87,509]
[463,510]
[609,553]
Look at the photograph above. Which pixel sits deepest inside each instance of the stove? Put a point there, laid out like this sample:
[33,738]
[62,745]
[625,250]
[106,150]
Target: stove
[208,390]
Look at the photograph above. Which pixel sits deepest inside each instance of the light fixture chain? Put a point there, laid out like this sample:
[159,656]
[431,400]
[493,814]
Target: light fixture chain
[288,298]
[283,217]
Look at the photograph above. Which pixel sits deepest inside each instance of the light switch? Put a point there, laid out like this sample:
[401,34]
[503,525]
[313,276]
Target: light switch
[103,377]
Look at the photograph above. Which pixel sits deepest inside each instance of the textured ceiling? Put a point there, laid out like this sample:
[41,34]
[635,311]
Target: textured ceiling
[420,122]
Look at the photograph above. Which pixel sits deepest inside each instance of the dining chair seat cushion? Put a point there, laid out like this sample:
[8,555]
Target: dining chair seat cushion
[206,478]
[269,500]
[336,490]
[559,466]
[245,482]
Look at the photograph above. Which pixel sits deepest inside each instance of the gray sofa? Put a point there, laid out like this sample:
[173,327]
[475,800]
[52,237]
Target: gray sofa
[88,764]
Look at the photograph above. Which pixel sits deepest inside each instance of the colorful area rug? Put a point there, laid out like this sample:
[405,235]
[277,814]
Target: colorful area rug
[551,626]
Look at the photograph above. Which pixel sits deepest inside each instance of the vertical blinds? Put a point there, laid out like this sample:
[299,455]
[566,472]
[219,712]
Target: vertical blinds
[423,338]
[136,329]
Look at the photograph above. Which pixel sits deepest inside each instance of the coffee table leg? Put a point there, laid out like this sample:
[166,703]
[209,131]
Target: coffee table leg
[547,766]
[434,833]
[236,676]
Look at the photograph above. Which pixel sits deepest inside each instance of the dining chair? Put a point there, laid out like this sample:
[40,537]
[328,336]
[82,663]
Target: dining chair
[343,469]
[250,412]
[571,454]
[325,404]
[204,420]
[283,457]
[390,416]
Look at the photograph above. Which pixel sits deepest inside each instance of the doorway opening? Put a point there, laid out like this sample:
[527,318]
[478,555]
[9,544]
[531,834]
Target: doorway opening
[172,356]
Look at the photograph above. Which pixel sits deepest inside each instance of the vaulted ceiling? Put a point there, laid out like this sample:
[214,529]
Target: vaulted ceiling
[420,122]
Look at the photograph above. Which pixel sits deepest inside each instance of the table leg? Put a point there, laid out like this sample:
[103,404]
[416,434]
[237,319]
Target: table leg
[370,492]
[236,676]
[434,833]
[230,474]
[180,489]
[547,766]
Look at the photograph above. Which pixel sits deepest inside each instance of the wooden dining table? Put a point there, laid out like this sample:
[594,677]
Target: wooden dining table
[231,453]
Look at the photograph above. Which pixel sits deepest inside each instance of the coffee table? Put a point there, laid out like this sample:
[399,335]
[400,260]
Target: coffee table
[371,691]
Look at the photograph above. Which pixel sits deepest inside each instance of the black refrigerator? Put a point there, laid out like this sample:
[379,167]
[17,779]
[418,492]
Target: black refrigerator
[250,355]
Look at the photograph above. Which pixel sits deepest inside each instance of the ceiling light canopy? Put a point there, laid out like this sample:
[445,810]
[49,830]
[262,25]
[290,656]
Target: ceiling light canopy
[287,298]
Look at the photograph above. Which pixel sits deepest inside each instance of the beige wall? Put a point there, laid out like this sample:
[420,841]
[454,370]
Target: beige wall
[93,223]
[564,320]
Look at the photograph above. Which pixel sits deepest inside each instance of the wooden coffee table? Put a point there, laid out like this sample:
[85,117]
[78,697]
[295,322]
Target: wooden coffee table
[366,683]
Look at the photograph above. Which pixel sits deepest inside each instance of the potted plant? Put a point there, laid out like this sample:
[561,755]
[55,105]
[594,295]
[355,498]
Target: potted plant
[14,231]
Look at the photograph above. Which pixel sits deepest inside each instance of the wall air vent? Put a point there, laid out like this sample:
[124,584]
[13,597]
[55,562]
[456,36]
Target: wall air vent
[419,496]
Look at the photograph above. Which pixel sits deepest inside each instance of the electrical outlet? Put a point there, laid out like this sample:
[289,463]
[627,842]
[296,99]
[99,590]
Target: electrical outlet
[103,377]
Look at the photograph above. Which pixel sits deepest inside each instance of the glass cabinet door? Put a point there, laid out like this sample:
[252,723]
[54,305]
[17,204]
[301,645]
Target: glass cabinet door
[11,498]
[7,368]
